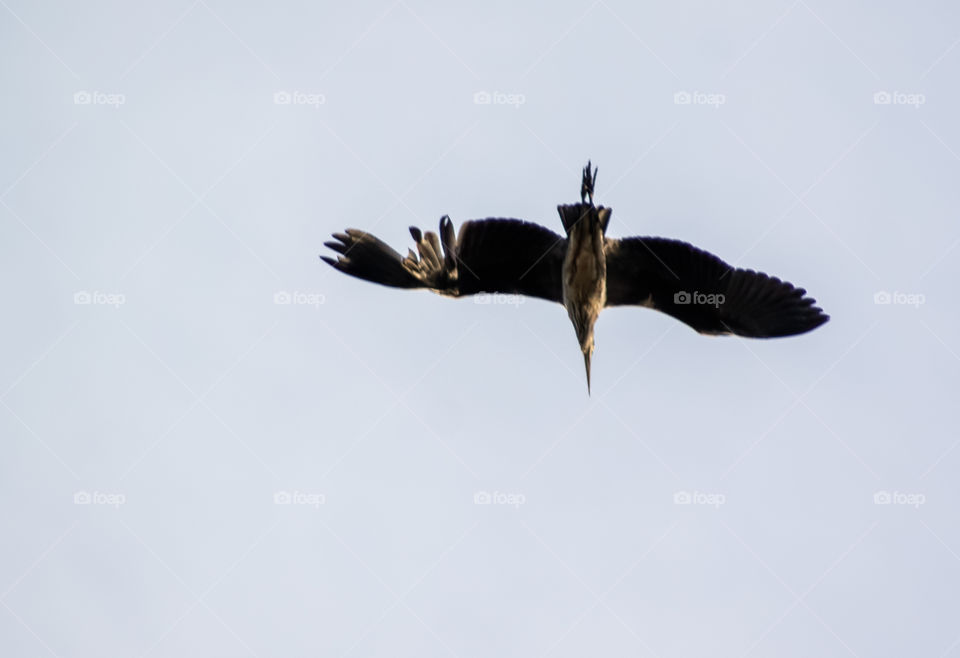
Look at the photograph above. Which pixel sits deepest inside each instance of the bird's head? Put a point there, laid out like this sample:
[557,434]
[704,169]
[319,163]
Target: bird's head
[583,321]
[587,354]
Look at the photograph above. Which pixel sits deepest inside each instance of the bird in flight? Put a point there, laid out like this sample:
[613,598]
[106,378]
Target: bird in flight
[586,271]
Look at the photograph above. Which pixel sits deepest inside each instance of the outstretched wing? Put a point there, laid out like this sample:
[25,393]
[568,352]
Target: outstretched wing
[489,255]
[510,256]
[704,292]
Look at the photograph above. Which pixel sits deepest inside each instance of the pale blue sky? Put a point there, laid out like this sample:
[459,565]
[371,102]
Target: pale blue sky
[190,468]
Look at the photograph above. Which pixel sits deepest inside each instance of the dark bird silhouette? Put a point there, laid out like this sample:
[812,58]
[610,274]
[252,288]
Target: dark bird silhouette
[585,271]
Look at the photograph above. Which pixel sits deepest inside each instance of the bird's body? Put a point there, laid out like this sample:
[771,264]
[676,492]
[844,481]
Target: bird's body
[586,272]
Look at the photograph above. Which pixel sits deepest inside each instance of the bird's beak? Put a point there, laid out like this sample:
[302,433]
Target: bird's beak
[586,362]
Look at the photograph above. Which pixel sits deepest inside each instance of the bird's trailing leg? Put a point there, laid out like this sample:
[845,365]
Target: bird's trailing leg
[588,183]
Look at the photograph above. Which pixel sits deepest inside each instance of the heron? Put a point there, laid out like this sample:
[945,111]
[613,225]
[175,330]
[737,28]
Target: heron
[585,271]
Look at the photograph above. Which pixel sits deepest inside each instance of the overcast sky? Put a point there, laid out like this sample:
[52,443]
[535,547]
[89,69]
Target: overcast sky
[216,445]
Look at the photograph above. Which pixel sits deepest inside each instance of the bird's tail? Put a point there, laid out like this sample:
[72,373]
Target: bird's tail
[572,214]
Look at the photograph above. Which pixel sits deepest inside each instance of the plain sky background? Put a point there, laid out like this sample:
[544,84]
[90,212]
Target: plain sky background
[150,162]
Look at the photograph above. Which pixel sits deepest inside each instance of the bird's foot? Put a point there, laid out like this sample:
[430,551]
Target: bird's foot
[588,183]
